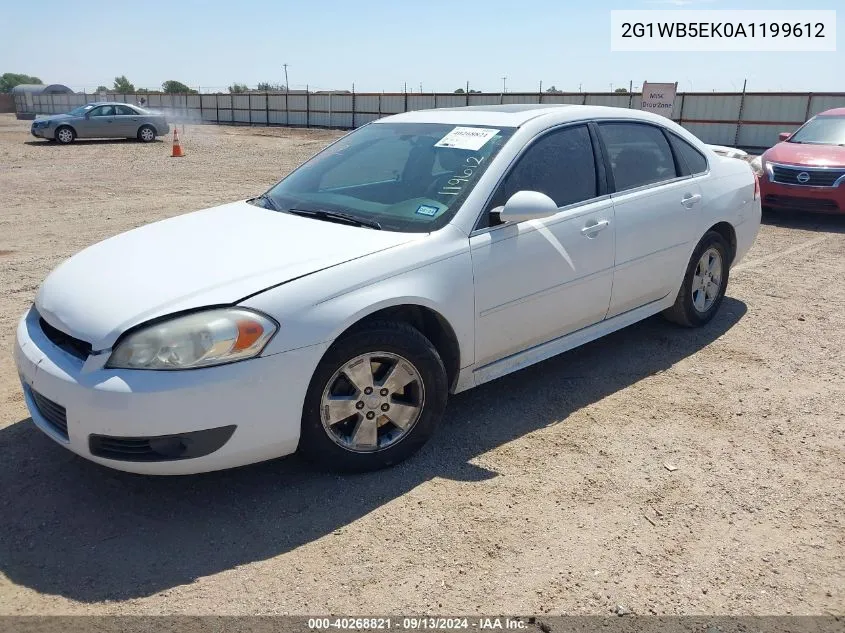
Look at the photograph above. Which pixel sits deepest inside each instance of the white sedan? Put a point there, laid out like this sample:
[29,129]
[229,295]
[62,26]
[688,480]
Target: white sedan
[420,255]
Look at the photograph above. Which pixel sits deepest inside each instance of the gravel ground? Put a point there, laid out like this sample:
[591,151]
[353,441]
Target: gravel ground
[544,492]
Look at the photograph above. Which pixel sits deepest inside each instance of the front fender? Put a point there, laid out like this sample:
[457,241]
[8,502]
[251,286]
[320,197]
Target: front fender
[434,272]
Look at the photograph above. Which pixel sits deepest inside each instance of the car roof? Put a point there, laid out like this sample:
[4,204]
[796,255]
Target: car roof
[833,112]
[516,114]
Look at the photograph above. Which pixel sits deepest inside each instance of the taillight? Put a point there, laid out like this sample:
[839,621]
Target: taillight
[756,187]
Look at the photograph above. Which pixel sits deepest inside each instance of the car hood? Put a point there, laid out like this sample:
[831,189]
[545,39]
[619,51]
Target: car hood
[806,154]
[210,257]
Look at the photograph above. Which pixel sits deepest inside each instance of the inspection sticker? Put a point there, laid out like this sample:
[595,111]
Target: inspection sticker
[471,138]
[425,209]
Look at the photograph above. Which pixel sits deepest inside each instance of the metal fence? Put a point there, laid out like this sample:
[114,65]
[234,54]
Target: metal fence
[748,120]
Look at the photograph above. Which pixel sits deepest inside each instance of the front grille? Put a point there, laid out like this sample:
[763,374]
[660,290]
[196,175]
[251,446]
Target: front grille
[53,413]
[817,177]
[73,346]
[799,203]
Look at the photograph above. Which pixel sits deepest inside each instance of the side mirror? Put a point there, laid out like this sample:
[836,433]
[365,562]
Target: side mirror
[527,205]
[784,136]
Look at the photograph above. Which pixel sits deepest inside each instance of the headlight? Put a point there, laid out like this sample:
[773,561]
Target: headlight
[202,339]
[757,165]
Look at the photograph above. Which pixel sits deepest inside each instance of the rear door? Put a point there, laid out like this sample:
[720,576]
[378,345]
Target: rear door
[541,279]
[655,201]
[126,121]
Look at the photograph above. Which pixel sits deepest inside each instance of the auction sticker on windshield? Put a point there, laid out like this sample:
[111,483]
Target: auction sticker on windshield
[470,138]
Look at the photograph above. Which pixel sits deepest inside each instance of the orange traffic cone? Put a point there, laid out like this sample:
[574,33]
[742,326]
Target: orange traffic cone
[177,146]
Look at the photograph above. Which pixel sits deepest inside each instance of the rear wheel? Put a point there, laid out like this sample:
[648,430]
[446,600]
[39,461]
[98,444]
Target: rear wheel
[374,400]
[705,282]
[65,134]
[146,134]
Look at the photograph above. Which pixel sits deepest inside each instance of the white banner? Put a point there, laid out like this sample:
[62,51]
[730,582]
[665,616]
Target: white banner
[659,98]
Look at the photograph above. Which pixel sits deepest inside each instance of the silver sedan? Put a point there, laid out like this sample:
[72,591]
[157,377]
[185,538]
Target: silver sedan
[102,120]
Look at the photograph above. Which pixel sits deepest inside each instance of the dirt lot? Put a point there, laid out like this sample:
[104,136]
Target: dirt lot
[545,491]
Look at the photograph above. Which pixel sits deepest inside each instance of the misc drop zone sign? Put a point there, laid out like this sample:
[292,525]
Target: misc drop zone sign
[659,98]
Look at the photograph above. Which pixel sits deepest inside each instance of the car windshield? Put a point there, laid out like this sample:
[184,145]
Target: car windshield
[822,130]
[81,109]
[409,177]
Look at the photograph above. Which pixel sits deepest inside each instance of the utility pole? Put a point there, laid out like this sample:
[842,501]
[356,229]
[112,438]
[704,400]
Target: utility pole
[420,87]
[287,85]
[611,87]
[541,85]
[504,84]
[579,87]
[467,87]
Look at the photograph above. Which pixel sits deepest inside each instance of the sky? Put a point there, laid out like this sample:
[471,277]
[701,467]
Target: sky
[382,45]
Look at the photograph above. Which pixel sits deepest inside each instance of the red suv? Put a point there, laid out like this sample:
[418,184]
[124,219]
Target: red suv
[806,170]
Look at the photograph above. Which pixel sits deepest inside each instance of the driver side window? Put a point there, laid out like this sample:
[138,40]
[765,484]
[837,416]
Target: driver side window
[103,111]
[560,164]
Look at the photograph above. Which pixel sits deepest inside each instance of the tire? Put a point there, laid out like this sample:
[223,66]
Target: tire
[146,134]
[695,306]
[342,443]
[65,134]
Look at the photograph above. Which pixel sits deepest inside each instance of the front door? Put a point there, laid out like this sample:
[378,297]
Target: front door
[99,123]
[540,279]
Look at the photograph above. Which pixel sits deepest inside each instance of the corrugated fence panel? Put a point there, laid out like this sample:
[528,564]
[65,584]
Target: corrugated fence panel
[209,102]
[298,102]
[420,102]
[574,99]
[392,104]
[363,118]
[713,133]
[820,103]
[367,103]
[451,101]
[486,99]
[276,102]
[616,101]
[758,135]
[711,107]
[297,118]
[224,101]
[522,98]
[342,103]
[774,108]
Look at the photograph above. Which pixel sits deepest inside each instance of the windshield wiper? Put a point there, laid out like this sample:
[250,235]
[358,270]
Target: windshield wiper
[267,200]
[337,216]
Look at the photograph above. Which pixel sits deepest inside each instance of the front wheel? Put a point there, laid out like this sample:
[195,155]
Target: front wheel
[146,134]
[705,282]
[374,400]
[65,135]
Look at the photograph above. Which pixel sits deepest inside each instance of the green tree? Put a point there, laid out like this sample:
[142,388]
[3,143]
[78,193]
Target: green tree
[266,86]
[236,87]
[123,85]
[10,80]
[553,91]
[621,90]
[460,91]
[102,89]
[172,86]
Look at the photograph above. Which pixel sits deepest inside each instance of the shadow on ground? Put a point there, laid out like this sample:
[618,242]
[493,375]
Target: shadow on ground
[88,141]
[72,528]
[805,221]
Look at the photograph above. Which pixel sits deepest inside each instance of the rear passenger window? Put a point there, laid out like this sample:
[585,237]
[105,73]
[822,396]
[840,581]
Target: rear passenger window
[639,154]
[688,156]
[560,164]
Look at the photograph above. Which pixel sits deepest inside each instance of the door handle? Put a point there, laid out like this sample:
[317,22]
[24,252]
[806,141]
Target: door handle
[591,229]
[690,200]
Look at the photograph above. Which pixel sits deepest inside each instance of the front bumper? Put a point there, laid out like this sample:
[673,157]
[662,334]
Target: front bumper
[42,132]
[262,398]
[802,198]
